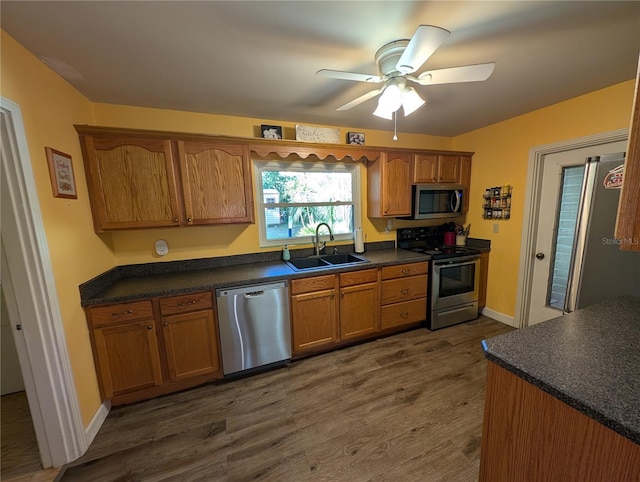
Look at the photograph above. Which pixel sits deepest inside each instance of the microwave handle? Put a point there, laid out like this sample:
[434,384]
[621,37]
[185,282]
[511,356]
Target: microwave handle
[455,208]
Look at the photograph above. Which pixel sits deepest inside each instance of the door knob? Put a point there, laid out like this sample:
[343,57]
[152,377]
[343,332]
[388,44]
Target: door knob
[539,255]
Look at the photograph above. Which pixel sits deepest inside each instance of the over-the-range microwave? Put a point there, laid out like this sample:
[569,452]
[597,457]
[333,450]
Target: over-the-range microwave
[433,201]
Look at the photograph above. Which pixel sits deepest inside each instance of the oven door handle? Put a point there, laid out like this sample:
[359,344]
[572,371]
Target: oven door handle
[457,261]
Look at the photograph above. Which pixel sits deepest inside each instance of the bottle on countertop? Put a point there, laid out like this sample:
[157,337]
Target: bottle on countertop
[358,240]
[286,255]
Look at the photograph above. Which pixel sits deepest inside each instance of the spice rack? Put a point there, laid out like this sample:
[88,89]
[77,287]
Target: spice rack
[497,202]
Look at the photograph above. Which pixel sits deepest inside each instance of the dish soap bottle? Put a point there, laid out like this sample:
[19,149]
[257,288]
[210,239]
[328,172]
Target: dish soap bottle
[286,255]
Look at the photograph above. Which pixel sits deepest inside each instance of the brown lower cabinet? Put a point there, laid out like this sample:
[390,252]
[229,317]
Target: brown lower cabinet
[404,294]
[370,301]
[147,348]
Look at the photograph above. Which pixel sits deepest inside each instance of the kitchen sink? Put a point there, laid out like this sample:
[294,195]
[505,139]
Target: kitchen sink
[325,261]
[342,258]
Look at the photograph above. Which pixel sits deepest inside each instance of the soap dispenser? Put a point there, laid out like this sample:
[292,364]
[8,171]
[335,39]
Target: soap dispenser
[286,255]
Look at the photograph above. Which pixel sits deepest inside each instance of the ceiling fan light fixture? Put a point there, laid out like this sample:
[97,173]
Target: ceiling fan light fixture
[391,98]
[383,112]
[411,101]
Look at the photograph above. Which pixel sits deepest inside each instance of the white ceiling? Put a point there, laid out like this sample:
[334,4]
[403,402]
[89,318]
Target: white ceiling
[258,59]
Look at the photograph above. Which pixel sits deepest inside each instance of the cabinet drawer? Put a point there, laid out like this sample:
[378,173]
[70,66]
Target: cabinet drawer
[403,313]
[402,270]
[404,289]
[185,303]
[359,277]
[316,283]
[107,315]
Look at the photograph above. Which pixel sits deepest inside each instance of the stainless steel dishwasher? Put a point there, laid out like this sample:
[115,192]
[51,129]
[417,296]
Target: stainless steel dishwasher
[254,326]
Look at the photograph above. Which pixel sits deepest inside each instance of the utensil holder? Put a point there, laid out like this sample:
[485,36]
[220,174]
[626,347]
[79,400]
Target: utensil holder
[461,240]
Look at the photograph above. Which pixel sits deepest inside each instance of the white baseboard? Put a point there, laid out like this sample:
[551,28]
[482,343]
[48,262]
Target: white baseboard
[501,317]
[98,419]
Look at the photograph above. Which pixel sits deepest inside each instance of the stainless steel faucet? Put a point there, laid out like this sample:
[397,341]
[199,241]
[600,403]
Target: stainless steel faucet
[319,247]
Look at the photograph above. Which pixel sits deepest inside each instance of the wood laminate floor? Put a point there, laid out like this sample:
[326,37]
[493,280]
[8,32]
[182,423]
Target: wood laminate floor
[19,454]
[403,408]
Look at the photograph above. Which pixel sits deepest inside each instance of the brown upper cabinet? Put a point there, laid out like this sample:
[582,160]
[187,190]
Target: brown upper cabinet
[131,182]
[389,185]
[430,168]
[216,182]
[140,181]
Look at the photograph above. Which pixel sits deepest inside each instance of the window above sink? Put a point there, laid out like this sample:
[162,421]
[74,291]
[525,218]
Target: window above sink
[293,197]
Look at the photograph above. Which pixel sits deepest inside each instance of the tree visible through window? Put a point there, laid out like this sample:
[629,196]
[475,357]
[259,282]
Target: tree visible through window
[294,198]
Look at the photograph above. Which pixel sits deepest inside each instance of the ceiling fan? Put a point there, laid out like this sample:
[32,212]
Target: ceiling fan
[399,59]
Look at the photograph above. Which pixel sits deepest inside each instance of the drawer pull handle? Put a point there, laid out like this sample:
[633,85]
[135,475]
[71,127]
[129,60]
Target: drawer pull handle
[404,315]
[406,271]
[150,327]
[404,291]
[122,313]
[186,303]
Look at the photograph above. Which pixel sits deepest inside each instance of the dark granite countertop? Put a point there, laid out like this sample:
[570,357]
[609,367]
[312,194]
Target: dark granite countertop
[129,283]
[589,359]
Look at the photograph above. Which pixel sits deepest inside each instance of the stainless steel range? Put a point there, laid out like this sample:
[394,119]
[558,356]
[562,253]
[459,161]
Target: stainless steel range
[454,276]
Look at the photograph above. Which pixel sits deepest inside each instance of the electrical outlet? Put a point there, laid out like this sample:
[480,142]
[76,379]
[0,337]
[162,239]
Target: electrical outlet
[389,226]
[496,228]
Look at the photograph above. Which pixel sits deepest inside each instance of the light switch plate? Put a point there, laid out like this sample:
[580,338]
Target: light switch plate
[496,228]
[161,247]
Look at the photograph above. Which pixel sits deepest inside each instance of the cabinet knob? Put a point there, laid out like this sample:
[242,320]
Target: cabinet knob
[175,220]
[189,220]
[539,255]
[165,324]
[404,315]
[150,327]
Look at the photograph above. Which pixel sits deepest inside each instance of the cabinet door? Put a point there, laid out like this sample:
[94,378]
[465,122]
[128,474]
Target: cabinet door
[131,182]
[448,169]
[358,310]
[191,344]
[314,322]
[425,168]
[127,357]
[396,184]
[216,182]
[465,180]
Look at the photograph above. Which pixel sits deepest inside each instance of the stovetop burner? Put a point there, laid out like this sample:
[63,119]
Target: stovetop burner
[429,241]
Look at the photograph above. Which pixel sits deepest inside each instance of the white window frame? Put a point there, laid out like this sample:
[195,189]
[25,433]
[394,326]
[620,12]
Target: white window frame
[272,165]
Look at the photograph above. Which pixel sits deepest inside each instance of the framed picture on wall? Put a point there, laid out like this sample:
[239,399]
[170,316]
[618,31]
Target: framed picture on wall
[271,132]
[355,138]
[63,182]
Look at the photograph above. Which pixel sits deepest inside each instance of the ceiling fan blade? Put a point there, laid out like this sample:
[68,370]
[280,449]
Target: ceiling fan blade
[360,100]
[467,73]
[423,44]
[338,74]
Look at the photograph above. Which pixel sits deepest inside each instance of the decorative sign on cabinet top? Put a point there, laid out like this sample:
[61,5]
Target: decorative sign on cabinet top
[317,134]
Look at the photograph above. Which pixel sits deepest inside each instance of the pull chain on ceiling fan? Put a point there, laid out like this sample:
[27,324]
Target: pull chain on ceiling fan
[399,59]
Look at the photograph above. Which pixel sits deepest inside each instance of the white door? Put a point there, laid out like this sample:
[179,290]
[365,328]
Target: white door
[540,308]
[10,373]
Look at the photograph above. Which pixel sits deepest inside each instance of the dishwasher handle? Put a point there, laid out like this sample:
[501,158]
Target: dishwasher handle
[254,294]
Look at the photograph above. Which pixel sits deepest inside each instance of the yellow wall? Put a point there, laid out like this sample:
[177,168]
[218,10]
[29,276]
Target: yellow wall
[502,155]
[50,107]
[210,241]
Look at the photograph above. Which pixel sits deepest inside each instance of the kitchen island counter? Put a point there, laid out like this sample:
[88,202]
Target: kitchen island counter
[589,359]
